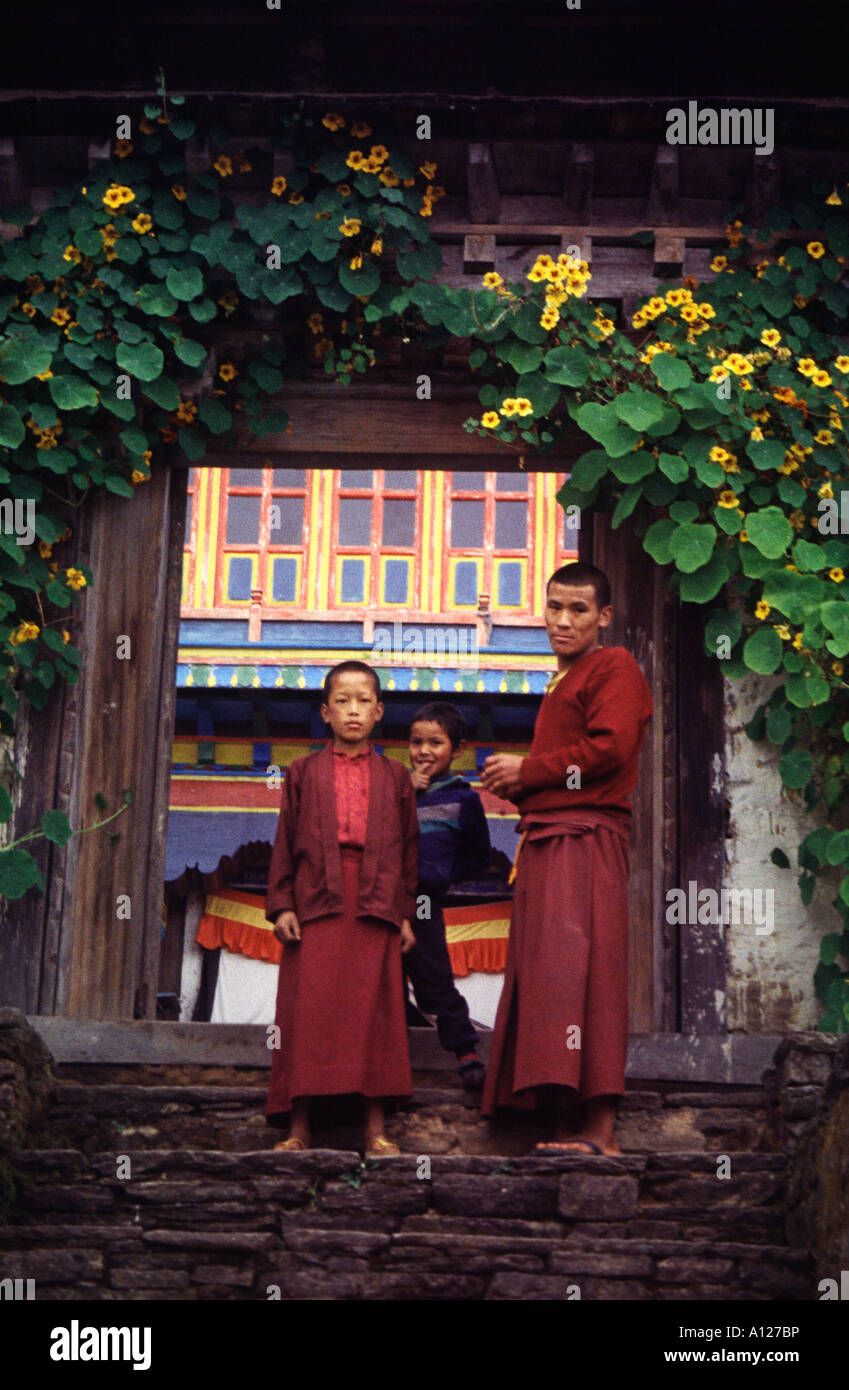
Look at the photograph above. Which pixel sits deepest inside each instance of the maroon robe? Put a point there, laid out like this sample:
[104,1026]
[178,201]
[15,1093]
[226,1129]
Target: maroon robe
[340,996]
[562,1018]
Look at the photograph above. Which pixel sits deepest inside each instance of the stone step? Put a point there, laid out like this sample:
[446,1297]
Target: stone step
[439,1119]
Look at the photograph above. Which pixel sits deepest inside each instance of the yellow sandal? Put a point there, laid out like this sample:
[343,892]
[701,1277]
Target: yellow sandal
[381,1147]
[290,1146]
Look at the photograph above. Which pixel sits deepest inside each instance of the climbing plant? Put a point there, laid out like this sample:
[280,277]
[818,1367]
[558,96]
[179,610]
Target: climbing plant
[142,316]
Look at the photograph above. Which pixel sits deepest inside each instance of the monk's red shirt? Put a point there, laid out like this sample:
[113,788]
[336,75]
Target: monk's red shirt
[587,738]
[351,785]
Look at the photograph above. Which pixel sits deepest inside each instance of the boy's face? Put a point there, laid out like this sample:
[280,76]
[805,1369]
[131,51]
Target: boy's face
[352,710]
[430,748]
[573,621]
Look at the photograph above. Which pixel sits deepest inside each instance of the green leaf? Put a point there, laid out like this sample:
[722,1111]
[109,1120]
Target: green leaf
[144,361]
[184,284]
[796,768]
[691,545]
[589,469]
[602,424]
[119,486]
[704,584]
[670,371]
[363,281]
[192,443]
[191,352]
[163,393]
[779,721]
[56,827]
[632,467]
[766,453]
[769,532]
[215,416]
[203,202]
[155,299]
[6,807]
[567,366]
[522,357]
[71,392]
[638,408]
[23,359]
[779,858]
[763,651]
[18,873]
[838,849]
[12,428]
[674,467]
[657,538]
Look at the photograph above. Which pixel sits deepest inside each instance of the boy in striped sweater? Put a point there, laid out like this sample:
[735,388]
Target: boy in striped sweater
[453,844]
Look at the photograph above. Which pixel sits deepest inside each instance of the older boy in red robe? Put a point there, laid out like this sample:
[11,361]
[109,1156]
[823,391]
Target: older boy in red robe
[562,1019]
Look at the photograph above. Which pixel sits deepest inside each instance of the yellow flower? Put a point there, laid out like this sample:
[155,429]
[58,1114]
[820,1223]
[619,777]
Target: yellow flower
[836,574]
[549,318]
[762,609]
[842,364]
[815,249]
[639,320]
[24,632]
[783,631]
[186,412]
[44,376]
[75,579]
[428,168]
[727,498]
[360,130]
[370,165]
[837,666]
[60,316]
[757,433]
[315,323]
[834,200]
[675,298]
[295,198]
[117,195]
[689,313]
[28,309]
[800,301]
[355,263]
[426,208]
[738,364]
[718,373]
[490,419]
[350,226]
[278,185]
[137,477]
[797,519]
[826,490]
[535,275]
[377,247]
[343,189]
[333,121]
[380,153]
[179,192]
[229,300]
[388,178]
[719,263]
[45,550]
[743,535]
[142,223]
[355,159]
[492,280]
[223,166]
[797,640]
[706,311]
[821,378]
[71,253]
[227,371]
[523,406]
[122,148]
[771,337]
[823,437]
[508,406]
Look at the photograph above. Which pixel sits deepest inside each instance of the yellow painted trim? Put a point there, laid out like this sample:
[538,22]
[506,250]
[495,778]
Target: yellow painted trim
[212,533]
[426,579]
[498,930]
[200,507]
[316,481]
[323,594]
[539,557]
[288,656]
[438,541]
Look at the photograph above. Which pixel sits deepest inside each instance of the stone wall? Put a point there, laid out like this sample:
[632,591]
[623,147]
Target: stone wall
[770,976]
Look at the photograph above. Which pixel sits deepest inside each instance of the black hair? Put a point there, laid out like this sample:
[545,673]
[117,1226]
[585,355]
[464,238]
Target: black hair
[447,716]
[581,574]
[350,666]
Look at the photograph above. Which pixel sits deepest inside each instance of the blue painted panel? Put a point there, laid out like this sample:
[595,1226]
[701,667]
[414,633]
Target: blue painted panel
[510,583]
[396,583]
[465,582]
[284,578]
[353,580]
[197,632]
[239,577]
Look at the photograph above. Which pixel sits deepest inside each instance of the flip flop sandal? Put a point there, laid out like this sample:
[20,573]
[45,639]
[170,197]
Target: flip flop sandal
[290,1146]
[567,1146]
[382,1148]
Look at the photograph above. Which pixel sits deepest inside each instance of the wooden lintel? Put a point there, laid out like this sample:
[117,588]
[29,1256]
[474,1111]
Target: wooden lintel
[569,240]
[484,196]
[662,207]
[11,180]
[478,253]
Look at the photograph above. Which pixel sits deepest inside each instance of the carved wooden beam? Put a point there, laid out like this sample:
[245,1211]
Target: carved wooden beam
[662,209]
[478,253]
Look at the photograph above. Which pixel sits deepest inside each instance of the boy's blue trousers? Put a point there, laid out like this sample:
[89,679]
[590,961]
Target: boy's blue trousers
[429,970]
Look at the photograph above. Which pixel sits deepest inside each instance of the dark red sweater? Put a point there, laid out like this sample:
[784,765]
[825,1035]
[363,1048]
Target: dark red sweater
[593,719]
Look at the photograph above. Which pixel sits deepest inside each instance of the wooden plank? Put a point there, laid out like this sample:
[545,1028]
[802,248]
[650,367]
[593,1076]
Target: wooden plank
[667,935]
[701,822]
[669,251]
[578,183]
[107,966]
[478,254]
[764,186]
[484,198]
[662,207]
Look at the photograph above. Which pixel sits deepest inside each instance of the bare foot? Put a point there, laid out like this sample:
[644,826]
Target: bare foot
[591,1145]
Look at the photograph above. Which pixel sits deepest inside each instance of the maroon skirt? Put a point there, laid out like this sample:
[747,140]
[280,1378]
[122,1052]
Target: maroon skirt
[340,1008]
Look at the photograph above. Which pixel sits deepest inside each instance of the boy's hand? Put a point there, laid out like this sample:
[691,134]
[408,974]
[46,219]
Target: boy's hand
[420,780]
[287,928]
[408,939]
[500,775]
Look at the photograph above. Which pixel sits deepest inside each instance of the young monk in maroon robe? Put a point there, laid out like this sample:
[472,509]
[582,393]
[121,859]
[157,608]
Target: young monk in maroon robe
[341,892]
[562,1018]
